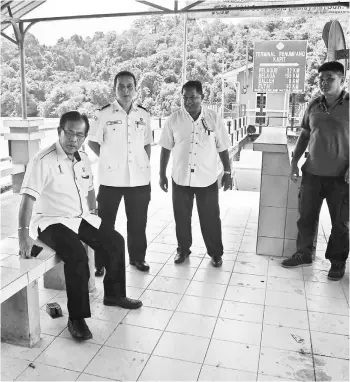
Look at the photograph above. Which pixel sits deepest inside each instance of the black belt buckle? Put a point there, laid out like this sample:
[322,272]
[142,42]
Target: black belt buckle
[54,309]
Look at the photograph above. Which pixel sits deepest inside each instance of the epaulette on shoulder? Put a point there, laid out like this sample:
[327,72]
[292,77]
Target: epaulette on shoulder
[104,107]
[140,106]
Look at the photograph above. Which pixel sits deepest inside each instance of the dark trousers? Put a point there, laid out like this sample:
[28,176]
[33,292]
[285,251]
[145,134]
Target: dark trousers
[207,199]
[314,189]
[67,244]
[136,206]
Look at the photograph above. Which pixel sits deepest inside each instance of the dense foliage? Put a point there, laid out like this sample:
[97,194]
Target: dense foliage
[77,73]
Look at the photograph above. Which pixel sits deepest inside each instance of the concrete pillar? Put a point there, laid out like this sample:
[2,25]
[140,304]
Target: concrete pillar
[278,205]
[24,137]
[54,278]
[20,317]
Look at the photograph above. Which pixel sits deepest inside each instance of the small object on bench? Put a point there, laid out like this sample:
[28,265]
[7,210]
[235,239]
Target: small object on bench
[54,309]
[36,250]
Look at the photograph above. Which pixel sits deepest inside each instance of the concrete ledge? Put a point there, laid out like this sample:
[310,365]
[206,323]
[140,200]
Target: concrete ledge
[23,122]
[24,136]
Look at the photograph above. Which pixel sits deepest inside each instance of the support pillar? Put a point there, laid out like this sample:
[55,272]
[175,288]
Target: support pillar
[24,139]
[20,317]
[278,205]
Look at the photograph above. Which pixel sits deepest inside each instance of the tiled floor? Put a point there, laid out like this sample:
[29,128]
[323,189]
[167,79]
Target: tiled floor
[250,320]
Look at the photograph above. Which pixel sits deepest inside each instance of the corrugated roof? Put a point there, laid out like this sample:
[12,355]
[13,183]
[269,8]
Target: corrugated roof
[16,9]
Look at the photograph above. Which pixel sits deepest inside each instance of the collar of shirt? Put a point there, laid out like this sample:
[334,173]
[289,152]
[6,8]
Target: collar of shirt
[190,117]
[323,104]
[61,155]
[117,107]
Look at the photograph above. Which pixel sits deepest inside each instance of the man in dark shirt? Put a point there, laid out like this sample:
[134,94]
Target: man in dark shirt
[325,174]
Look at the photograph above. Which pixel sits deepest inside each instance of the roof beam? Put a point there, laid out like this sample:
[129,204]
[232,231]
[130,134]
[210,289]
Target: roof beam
[192,5]
[153,5]
[172,12]
[9,38]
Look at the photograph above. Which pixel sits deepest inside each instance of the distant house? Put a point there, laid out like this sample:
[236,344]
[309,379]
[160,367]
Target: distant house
[275,105]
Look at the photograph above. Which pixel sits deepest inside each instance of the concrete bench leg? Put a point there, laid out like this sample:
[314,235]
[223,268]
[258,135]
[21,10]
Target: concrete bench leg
[54,278]
[20,318]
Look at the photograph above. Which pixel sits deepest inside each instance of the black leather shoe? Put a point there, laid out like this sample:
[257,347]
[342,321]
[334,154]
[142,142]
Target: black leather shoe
[78,329]
[99,272]
[122,302]
[140,265]
[216,261]
[181,257]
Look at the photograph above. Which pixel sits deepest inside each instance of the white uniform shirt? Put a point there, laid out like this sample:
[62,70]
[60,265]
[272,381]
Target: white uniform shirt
[194,148]
[122,137]
[60,188]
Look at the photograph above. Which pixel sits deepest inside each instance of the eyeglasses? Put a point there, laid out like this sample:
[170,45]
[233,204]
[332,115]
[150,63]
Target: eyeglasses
[190,98]
[71,135]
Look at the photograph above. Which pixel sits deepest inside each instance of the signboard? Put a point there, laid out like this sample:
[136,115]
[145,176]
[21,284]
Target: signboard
[279,66]
[269,12]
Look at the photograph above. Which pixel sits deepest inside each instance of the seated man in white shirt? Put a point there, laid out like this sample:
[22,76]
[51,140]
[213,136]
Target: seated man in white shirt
[58,184]
[195,135]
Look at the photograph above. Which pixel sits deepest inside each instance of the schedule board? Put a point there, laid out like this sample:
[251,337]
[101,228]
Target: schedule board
[279,66]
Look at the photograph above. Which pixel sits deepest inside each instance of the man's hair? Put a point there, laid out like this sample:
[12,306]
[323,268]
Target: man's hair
[193,84]
[332,66]
[122,74]
[74,116]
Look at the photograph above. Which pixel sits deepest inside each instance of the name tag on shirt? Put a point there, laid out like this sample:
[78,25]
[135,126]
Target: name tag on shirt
[117,122]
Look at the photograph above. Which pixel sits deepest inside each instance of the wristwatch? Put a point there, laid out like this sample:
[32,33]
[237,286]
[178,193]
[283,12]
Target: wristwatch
[227,172]
[93,211]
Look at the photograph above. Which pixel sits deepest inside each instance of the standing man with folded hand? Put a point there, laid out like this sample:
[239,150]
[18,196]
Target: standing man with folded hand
[58,186]
[195,135]
[121,136]
[325,174]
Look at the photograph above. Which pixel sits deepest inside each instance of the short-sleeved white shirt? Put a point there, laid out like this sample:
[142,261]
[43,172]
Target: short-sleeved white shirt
[123,160]
[60,188]
[194,146]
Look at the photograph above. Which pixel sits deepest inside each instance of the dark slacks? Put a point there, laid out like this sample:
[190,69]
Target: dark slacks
[314,189]
[136,207]
[207,199]
[67,244]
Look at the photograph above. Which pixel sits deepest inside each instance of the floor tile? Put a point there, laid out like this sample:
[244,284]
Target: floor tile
[68,354]
[47,373]
[238,331]
[24,352]
[233,355]
[286,338]
[128,367]
[284,317]
[169,284]
[329,323]
[148,318]
[134,338]
[92,378]
[157,257]
[331,369]
[182,346]
[46,295]
[242,311]
[286,364]
[180,271]
[199,305]
[330,345]
[201,289]
[316,275]
[100,311]
[247,247]
[101,330]
[243,294]
[247,280]
[286,285]
[213,373]
[276,270]
[133,292]
[167,369]
[138,280]
[52,326]
[269,378]
[193,324]
[285,300]
[161,300]
[327,305]
[12,368]
[324,289]
[162,248]
[212,275]
[192,261]
[251,268]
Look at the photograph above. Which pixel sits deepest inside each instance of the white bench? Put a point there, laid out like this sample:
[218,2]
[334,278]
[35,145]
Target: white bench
[20,310]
